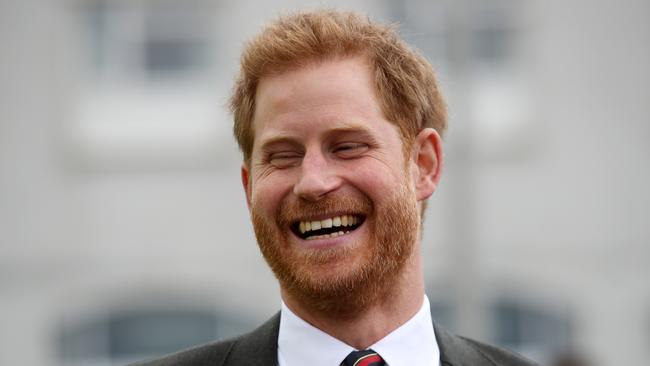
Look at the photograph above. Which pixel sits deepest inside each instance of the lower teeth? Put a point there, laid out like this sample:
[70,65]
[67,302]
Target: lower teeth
[326,236]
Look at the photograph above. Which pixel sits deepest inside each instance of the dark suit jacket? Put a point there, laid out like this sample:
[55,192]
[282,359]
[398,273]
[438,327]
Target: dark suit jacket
[260,348]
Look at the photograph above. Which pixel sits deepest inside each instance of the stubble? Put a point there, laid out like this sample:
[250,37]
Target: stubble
[341,282]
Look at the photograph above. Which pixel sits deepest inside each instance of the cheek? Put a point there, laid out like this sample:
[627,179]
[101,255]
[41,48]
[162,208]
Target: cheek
[375,181]
[268,192]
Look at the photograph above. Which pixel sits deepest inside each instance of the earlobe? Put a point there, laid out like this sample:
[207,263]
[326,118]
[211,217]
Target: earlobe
[245,180]
[428,159]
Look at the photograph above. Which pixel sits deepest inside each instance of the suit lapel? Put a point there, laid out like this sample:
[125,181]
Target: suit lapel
[258,348]
[454,351]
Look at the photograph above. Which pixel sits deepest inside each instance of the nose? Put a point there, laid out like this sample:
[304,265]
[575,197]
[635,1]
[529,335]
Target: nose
[317,177]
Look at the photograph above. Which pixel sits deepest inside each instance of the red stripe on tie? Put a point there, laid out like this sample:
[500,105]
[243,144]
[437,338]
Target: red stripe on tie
[369,360]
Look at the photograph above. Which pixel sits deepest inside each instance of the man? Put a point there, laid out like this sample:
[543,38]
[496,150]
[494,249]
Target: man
[339,122]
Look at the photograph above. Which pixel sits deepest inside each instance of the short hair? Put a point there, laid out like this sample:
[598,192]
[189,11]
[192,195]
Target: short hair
[405,82]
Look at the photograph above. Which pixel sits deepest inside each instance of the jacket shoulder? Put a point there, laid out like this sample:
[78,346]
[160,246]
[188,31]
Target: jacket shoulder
[461,351]
[232,352]
[498,356]
[208,354]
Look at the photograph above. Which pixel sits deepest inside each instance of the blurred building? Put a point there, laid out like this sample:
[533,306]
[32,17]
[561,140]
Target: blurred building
[123,228]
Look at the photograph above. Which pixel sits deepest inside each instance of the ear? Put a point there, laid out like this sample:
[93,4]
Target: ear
[427,160]
[245,181]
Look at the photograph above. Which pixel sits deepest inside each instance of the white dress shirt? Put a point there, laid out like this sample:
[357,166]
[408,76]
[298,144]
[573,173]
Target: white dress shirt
[413,343]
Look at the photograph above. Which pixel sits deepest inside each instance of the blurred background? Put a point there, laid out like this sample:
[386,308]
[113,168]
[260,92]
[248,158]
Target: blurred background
[123,227]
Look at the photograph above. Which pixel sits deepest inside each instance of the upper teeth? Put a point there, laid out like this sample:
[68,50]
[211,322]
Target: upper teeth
[336,221]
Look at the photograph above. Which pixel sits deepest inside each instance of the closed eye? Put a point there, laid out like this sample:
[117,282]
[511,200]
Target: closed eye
[350,149]
[284,159]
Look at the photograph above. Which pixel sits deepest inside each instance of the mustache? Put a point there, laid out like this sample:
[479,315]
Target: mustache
[291,211]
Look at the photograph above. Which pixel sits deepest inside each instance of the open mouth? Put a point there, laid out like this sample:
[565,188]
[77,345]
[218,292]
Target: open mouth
[327,228]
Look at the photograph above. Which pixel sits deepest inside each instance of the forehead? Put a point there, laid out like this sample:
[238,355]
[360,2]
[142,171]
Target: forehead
[321,93]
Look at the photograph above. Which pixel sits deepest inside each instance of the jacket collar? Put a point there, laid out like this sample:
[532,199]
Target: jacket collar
[263,341]
[454,351]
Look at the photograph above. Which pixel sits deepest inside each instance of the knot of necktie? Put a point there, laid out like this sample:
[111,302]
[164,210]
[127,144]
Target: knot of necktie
[363,358]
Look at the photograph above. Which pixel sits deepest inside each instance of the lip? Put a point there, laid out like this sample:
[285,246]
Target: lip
[342,240]
[328,215]
[297,229]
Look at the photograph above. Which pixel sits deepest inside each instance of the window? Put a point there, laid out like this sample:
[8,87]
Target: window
[123,336]
[147,41]
[147,91]
[535,330]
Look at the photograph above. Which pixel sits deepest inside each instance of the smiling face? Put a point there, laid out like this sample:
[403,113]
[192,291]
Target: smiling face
[333,198]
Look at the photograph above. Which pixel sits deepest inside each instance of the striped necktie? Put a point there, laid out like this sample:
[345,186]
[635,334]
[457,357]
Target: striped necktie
[363,358]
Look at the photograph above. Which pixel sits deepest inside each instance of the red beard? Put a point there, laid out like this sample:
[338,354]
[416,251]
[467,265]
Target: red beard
[342,281]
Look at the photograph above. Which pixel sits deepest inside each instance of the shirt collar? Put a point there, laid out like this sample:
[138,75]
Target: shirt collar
[300,343]
[413,343]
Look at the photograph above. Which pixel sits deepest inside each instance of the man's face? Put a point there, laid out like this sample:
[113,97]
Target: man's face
[331,194]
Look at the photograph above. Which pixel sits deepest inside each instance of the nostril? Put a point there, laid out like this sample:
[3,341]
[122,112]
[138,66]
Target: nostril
[315,187]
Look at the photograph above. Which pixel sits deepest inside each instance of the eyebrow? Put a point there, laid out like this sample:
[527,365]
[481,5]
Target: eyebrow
[346,128]
[279,140]
[353,129]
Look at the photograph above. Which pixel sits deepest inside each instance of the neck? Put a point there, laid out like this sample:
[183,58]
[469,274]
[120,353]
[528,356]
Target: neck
[361,331]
